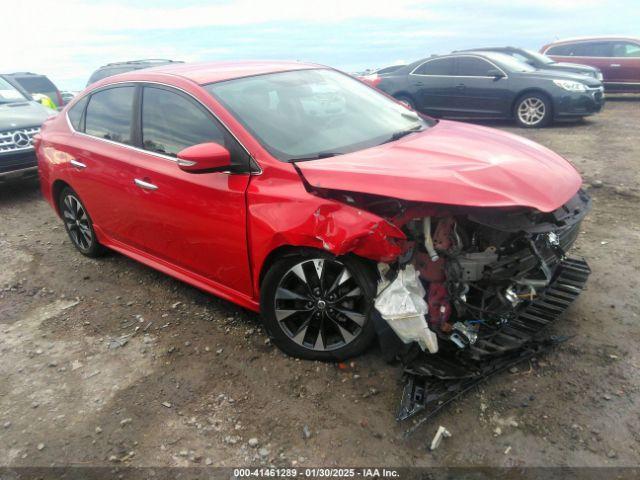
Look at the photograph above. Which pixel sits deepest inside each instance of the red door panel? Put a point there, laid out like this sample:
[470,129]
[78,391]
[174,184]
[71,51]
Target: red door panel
[193,221]
[103,179]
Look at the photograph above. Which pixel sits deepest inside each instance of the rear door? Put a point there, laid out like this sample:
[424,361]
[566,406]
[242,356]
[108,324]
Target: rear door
[102,167]
[194,221]
[478,93]
[433,84]
[626,61]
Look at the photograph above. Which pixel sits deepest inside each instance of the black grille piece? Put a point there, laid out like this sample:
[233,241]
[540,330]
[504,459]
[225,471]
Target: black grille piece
[434,380]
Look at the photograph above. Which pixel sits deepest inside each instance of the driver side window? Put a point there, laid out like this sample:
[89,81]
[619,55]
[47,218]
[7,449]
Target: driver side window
[171,122]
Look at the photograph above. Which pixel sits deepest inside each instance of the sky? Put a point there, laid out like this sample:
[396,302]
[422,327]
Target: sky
[68,39]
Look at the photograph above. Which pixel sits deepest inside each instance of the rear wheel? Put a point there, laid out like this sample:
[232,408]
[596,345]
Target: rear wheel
[78,224]
[316,306]
[533,110]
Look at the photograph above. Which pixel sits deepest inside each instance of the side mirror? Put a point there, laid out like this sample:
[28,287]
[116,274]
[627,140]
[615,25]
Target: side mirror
[496,74]
[204,158]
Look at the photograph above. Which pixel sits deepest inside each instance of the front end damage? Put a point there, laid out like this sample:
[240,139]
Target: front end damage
[472,291]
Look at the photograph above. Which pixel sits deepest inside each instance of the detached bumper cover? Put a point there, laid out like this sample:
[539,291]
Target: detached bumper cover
[432,381]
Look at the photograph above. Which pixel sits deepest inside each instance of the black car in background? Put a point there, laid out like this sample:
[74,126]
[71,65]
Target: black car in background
[492,85]
[541,61]
[115,68]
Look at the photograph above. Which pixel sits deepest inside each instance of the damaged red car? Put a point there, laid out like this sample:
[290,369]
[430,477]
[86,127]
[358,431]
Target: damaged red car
[340,215]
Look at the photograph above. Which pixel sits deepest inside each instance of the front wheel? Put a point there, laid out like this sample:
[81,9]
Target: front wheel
[533,110]
[317,306]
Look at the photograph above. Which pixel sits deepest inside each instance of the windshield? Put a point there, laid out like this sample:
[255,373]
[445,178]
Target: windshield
[310,114]
[540,57]
[508,62]
[9,94]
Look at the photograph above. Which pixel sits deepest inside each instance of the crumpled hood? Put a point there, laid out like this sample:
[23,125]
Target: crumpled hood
[456,164]
[23,114]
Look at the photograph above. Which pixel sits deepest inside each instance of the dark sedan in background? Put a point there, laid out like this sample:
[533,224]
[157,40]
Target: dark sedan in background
[541,61]
[491,85]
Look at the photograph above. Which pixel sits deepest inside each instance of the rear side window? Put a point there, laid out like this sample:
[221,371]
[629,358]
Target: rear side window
[441,66]
[109,114]
[626,49]
[171,122]
[473,67]
[561,50]
[75,114]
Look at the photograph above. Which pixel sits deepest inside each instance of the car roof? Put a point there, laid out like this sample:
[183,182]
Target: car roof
[210,72]
[25,74]
[597,37]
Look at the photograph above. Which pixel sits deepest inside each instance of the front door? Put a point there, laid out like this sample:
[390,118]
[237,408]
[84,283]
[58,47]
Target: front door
[479,93]
[194,221]
[433,86]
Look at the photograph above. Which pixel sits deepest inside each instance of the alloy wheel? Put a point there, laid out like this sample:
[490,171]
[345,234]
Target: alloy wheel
[77,222]
[531,111]
[320,305]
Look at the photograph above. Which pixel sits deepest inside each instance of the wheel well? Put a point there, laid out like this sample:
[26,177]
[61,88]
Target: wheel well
[278,253]
[530,90]
[286,250]
[56,189]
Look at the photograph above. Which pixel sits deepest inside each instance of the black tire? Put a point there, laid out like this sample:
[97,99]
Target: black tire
[533,110]
[333,327]
[78,224]
[408,101]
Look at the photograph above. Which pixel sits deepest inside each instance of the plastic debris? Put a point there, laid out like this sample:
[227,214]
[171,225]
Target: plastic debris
[437,438]
[401,303]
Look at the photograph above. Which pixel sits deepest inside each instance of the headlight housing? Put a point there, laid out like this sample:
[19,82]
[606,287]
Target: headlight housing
[571,86]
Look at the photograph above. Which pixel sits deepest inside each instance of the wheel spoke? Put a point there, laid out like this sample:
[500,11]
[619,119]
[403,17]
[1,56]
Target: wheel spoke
[355,317]
[286,294]
[320,340]
[346,335]
[298,337]
[342,277]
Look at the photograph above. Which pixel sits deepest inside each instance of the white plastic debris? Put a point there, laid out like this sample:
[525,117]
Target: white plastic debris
[401,303]
[437,438]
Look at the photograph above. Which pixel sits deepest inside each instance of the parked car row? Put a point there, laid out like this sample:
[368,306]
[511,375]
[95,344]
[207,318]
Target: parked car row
[513,83]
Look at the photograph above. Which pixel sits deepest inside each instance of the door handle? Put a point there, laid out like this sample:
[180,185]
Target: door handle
[77,164]
[418,84]
[145,185]
[615,65]
[461,86]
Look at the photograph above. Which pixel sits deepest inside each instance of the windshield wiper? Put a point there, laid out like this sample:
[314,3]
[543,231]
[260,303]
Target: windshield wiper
[316,157]
[403,133]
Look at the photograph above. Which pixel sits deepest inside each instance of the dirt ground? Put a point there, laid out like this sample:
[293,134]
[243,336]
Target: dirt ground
[107,362]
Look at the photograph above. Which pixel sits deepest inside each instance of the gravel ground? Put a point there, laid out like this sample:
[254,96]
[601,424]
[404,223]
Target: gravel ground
[108,362]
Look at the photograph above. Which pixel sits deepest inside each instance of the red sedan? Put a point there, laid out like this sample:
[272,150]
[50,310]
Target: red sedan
[297,191]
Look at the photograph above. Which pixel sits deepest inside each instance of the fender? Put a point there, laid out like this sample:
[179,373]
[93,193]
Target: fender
[291,216]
